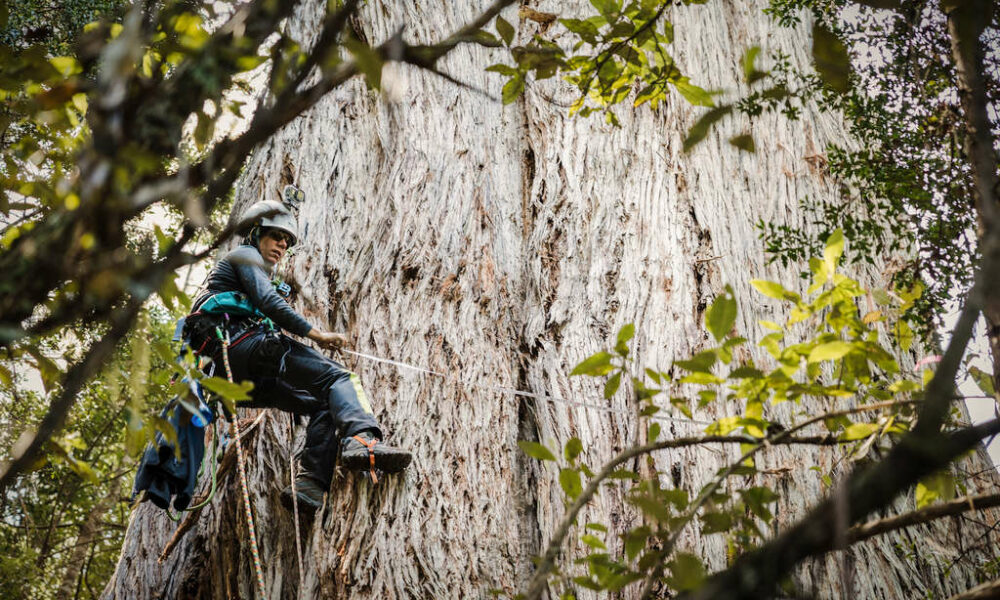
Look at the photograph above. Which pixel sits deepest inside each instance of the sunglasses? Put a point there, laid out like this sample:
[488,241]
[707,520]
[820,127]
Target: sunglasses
[279,236]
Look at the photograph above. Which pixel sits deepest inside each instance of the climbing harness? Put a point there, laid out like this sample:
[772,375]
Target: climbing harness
[241,466]
[517,392]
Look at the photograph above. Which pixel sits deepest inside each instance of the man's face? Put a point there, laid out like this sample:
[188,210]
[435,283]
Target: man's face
[273,244]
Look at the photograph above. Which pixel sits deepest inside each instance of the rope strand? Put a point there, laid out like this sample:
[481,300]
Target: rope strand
[295,505]
[241,465]
[517,392]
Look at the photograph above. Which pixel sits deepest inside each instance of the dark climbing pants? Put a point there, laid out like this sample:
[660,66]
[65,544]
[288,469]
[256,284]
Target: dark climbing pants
[306,383]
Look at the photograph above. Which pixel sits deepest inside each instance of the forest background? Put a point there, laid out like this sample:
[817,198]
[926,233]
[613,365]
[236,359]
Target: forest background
[91,286]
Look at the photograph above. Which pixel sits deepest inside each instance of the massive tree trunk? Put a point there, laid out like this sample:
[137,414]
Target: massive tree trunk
[500,246]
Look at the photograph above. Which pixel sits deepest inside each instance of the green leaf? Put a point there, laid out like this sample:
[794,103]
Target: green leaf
[653,433]
[47,368]
[939,486]
[66,65]
[757,499]
[588,583]
[721,316]
[596,365]
[904,335]
[573,449]
[204,130]
[983,379]
[687,572]
[682,405]
[656,510]
[503,69]
[744,142]
[625,335]
[745,373]
[612,385]
[833,251]
[701,379]
[694,94]
[749,68]
[830,58]
[635,541]
[569,479]
[587,31]
[536,450]
[505,29]
[368,60]
[607,8]
[858,431]
[233,392]
[713,522]
[513,88]
[774,290]
[699,130]
[699,363]
[830,351]
[593,541]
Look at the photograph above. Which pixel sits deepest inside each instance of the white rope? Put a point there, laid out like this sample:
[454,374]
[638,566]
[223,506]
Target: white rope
[295,504]
[517,392]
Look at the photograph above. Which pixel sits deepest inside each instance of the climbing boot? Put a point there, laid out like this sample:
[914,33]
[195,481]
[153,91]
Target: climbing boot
[364,452]
[308,492]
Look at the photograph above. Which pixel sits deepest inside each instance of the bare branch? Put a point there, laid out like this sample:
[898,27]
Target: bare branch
[924,515]
[987,591]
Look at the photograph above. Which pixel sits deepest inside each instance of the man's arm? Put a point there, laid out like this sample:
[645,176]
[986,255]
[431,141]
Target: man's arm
[250,270]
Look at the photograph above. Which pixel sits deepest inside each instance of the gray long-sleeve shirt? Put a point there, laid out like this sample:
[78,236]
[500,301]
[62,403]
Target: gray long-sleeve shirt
[245,270]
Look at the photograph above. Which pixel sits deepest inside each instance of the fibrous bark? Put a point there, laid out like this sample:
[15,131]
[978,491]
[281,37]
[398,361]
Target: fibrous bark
[500,246]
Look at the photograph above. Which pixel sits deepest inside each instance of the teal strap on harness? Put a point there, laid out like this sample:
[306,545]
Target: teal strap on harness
[234,304]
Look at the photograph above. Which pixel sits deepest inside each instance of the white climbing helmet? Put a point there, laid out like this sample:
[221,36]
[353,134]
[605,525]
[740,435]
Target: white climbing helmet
[271,214]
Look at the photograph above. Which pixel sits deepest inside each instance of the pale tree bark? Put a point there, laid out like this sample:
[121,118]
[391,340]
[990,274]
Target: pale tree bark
[501,246]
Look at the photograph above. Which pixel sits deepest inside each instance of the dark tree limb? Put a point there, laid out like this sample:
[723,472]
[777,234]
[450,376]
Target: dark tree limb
[757,574]
[924,515]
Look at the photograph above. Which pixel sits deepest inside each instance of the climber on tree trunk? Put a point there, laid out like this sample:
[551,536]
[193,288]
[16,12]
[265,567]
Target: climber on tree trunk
[287,374]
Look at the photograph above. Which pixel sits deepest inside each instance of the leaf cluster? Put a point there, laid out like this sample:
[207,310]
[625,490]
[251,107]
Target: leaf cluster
[849,356]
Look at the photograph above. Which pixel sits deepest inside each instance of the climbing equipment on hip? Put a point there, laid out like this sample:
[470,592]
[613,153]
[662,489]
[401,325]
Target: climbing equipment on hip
[228,310]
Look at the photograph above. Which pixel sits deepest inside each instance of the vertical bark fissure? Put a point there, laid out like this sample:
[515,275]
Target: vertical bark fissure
[527,470]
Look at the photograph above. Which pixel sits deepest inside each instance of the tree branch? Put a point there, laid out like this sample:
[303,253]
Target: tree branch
[930,513]
[987,591]
[756,574]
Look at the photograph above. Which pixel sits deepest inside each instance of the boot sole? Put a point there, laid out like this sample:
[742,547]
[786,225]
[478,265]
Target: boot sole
[387,462]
